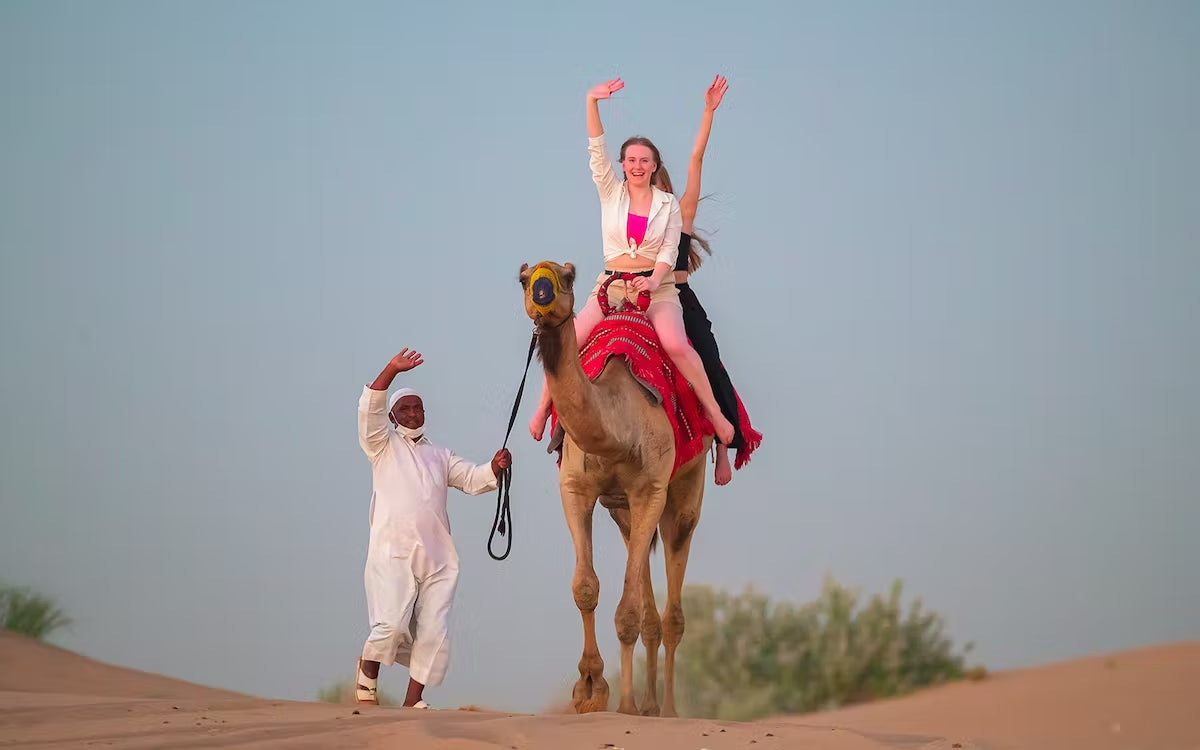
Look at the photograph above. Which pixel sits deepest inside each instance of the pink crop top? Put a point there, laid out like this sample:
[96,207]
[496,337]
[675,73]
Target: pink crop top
[635,228]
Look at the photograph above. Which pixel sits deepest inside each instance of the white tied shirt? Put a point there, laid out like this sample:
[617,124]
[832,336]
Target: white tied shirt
[663,225]
[410,480]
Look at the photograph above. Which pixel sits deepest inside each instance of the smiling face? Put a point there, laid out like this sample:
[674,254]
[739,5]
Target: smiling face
[409,412]
[639,160]
[639,165]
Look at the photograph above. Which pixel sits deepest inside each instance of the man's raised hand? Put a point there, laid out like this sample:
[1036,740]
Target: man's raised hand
[406,360]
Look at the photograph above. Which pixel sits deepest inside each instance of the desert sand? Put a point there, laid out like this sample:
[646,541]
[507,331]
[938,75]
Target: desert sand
[1147,699]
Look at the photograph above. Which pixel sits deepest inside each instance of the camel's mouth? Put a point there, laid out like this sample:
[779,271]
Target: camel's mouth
[543,290]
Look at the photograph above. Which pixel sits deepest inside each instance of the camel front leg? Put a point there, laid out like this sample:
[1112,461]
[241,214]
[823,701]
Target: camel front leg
[644,514]
[651,623]
[591,691]
[678,524]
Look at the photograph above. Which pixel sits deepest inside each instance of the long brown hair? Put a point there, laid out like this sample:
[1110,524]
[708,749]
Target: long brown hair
[661,179]
[694,259]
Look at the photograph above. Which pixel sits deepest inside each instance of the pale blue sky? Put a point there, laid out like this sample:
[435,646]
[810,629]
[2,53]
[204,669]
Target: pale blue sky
[957,280]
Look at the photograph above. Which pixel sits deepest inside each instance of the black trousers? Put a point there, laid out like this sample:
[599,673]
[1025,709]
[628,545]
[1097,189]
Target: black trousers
[699,329]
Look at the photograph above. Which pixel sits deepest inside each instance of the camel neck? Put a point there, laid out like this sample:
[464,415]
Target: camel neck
[576,399]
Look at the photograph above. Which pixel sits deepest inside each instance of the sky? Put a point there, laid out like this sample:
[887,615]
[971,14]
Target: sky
[956,281]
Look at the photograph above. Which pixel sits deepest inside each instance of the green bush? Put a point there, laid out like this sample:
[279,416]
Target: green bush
[743,658]
[29,613]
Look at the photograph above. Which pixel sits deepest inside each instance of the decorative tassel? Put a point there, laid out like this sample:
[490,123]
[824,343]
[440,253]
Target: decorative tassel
[751,438]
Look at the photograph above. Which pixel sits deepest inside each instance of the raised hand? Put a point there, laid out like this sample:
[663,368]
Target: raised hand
[406,360]
[606,89]
[715,92]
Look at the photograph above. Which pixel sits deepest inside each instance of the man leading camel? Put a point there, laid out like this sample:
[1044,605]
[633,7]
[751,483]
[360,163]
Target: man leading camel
[412,567]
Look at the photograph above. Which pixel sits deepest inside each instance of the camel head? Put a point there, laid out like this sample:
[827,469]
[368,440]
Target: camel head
[549,292]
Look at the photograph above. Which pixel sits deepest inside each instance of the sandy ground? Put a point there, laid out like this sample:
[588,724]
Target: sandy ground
[1139,700]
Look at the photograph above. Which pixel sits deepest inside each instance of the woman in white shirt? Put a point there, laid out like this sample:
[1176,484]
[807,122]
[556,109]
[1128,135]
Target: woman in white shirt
[640,228]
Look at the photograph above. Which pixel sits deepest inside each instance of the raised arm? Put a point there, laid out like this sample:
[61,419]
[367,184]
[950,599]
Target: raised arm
[607,182]
[372,405]
[690,200]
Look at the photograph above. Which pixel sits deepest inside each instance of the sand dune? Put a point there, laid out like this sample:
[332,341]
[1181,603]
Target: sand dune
[1147,699]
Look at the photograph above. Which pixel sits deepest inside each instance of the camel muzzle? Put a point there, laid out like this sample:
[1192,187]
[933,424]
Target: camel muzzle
[543,292]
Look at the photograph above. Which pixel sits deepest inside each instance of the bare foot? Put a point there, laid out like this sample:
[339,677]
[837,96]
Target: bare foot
[537,425]
[724,472]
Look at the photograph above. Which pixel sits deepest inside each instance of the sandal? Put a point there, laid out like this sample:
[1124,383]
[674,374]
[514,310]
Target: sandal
[365,688]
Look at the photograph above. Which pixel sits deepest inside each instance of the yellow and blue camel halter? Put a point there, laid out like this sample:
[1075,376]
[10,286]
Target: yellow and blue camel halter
[544,288]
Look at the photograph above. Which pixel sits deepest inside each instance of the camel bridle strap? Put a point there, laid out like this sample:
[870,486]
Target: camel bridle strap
[503,520]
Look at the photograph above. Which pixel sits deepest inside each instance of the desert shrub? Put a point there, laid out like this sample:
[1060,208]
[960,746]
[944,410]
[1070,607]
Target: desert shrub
[29,613]
[743,657]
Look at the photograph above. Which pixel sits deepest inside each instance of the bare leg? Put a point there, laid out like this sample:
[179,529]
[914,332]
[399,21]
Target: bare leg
[591,691]
[724,471]
[585,320]
[651,623]
[645,509]
[668,324]
[678,523]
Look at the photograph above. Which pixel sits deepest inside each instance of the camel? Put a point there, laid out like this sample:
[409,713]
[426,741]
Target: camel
[618,449]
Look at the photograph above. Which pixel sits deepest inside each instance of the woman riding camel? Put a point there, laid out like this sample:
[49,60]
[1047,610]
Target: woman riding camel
[695,320]
[641,226]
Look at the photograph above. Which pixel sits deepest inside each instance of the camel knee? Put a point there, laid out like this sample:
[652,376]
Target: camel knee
[586,588]
[651,628]
[628,627]
[591,665]
[673,624]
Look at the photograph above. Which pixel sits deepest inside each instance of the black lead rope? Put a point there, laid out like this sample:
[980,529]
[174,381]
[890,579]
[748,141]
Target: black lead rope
[503,521]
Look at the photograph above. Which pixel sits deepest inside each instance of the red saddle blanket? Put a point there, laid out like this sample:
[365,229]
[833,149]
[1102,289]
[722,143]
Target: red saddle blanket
[629,334]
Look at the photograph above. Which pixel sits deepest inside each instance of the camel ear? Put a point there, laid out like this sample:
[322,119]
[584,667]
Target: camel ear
[524,274]
[568,276]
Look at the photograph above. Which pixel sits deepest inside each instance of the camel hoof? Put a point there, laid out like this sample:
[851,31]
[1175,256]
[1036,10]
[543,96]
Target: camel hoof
[650,710]
[629,708]
[590,707]
[590,695]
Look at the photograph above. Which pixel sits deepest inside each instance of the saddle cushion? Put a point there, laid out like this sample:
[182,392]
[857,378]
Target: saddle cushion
[628,333]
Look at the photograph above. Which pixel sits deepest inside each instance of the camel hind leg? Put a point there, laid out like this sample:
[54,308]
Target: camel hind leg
[678,523]
[645,510]
[651,622]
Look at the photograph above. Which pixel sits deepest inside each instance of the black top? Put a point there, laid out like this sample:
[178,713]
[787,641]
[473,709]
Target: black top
[685,246]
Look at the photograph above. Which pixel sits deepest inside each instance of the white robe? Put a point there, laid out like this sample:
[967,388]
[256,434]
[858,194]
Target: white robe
[412,566]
